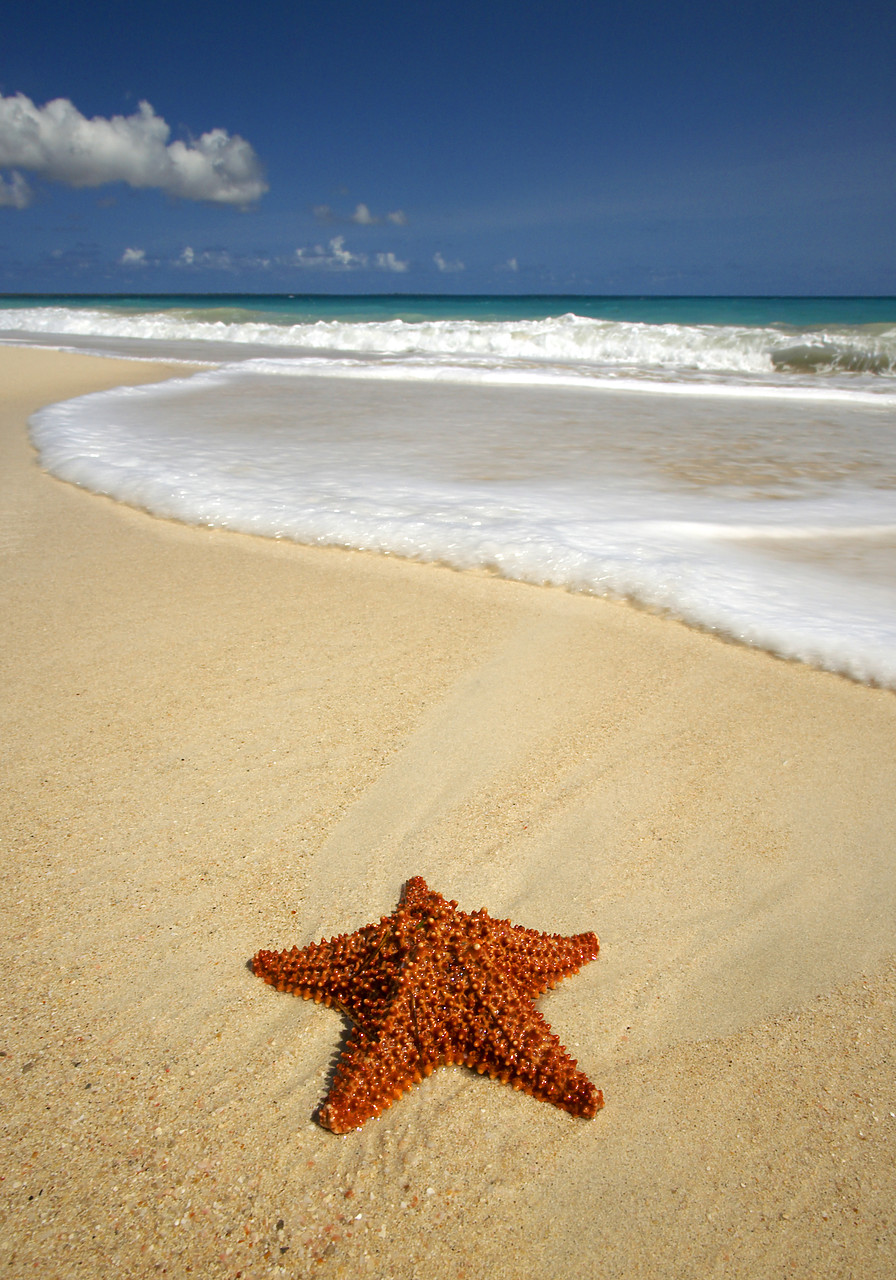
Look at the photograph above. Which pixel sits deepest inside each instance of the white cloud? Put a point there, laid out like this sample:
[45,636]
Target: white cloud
[186,258]
[342,256]
[15,194]
[399,218]
[444,265]
[56,142]
[133,258]
[389,262]
[364,217]
[335,258]
[510,265]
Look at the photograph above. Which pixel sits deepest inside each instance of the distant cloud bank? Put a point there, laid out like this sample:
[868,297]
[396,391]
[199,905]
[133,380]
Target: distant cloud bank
[336,257]
[362,217]
[444,265]
[57,142]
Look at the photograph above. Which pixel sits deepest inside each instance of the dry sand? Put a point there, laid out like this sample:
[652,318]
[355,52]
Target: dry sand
[213,743]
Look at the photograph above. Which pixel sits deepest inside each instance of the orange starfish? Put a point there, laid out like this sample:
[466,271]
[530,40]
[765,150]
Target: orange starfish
[431,985]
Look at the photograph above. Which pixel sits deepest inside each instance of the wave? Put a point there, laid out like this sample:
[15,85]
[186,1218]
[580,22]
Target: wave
[615,347]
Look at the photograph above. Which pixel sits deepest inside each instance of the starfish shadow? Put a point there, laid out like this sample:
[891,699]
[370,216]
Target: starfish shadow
[335,1058]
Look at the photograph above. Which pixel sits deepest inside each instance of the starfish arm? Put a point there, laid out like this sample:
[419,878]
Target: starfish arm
[515,1044]
[343,971]
[541,960]
[375,1070]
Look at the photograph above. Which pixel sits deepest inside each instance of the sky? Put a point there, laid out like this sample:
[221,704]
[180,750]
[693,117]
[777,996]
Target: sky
[744,147]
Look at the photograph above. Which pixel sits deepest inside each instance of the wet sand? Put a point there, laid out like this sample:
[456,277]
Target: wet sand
[213,743]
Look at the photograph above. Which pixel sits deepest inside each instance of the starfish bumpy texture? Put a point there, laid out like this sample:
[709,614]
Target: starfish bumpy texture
[430,985]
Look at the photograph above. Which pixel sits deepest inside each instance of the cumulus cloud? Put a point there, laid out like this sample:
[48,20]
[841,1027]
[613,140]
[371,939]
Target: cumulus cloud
[56,142]
[389,262]
[399,218]
[364,217]
[444,265]
[510,265]
[342,255]
[133,258]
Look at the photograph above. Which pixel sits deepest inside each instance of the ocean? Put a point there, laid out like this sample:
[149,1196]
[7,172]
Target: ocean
[728,461]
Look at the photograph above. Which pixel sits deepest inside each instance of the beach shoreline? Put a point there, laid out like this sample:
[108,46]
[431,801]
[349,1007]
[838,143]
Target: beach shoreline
[216,743]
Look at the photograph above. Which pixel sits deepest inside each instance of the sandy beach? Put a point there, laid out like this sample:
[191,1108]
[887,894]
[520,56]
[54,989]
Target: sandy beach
[214,743]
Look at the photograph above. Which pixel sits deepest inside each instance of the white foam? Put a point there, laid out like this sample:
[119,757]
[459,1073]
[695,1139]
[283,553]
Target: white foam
[674,504]
[861,356]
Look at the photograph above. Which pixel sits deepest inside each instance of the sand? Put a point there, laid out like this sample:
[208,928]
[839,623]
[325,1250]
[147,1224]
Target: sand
[213,743]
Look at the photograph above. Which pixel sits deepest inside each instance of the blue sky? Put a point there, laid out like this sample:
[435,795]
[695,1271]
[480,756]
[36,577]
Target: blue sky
[675,148]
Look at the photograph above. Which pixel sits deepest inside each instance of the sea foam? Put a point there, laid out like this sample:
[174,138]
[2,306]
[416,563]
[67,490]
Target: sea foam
[851,356]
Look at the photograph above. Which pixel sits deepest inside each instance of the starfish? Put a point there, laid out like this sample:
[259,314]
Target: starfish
[432,985]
